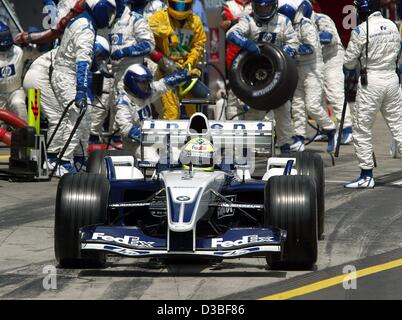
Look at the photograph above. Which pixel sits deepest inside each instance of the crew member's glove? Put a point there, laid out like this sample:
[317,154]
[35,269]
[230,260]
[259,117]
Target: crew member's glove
[305,49]
[81,100]
[48,3]
[290,52]
[351,82]
[138,50]
[326,37]
[174,40]
[168,65]
[251,47]
[104,70]
[135,134]
[174,79]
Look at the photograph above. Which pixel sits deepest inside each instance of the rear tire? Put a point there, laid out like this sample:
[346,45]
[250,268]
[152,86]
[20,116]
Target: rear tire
[96,162]
[291,205]
[82,200]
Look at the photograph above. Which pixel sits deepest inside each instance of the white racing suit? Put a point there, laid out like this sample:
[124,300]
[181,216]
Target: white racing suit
[383,91]
[71,70]
[150,8]
[64,7]
[309,92]
[38,77]
[278,31]
[130,31]
[333,54]
[233,11]
[133,111]
[103,105]
[12,96]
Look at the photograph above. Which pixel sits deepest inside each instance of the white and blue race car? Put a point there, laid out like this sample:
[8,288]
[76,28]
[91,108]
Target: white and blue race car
[157,208]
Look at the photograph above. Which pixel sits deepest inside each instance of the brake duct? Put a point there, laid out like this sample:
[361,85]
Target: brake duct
[25,38]
[14,121]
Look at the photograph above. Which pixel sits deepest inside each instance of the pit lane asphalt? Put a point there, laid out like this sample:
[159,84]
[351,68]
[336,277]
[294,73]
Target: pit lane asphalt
[363,228]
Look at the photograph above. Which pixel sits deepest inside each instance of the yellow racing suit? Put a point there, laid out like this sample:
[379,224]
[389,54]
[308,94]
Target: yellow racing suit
[182,41]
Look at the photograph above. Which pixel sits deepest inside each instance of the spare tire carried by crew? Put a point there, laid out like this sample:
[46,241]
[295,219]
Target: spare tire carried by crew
[96,162]
[265,81]
[291,205]
[82,200]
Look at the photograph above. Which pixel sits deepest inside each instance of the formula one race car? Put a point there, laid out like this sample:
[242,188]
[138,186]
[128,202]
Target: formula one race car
[167,208]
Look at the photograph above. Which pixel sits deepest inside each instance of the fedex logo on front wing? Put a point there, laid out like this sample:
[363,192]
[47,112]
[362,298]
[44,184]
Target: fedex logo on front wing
[128,240]
[219,243]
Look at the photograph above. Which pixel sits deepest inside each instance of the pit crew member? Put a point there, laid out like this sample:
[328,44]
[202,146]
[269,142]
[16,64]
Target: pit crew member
[180,37]
[266,24]
[72,70]
[380,90]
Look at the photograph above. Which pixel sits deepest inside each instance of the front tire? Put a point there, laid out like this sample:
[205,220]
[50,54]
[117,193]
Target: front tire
[291,205]
[82,200]
[311,164]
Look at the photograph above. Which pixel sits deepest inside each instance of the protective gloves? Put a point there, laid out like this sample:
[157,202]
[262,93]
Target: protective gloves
[290,52]
[326,37]
[138,50]
[48,3]
[84,80]
[173,41]
[351,81]
[81,100]
[305,49]
[242,42]
[135,133]
[174,79]
[251,47]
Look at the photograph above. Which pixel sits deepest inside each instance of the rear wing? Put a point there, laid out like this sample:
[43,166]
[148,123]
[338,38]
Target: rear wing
[235,141]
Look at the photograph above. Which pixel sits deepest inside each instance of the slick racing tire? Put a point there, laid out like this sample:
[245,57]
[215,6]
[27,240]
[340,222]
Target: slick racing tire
[311,164]
[96,162]
[82,200]
[290,204]
[265,81]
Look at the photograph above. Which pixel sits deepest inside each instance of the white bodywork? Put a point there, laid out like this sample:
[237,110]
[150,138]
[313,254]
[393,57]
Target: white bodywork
[189,190]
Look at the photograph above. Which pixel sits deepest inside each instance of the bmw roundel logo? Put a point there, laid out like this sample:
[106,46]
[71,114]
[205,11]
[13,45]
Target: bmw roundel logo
[183,198]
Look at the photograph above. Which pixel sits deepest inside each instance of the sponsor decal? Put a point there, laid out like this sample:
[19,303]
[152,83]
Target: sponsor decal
[228,211]
[270,87]
[7,71]
[128,240]
[183,198]
[116,39]
[219,243]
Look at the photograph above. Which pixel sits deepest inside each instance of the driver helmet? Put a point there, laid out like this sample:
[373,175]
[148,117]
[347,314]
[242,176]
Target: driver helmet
[198,153]
[305,10]
[180,9]
[264,10]
[6,39]
[137,81]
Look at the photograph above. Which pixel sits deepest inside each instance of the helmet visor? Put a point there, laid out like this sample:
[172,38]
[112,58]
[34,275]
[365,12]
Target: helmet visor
[198,159]
[6,41]
[264,10]
[180,6]
[145,87]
